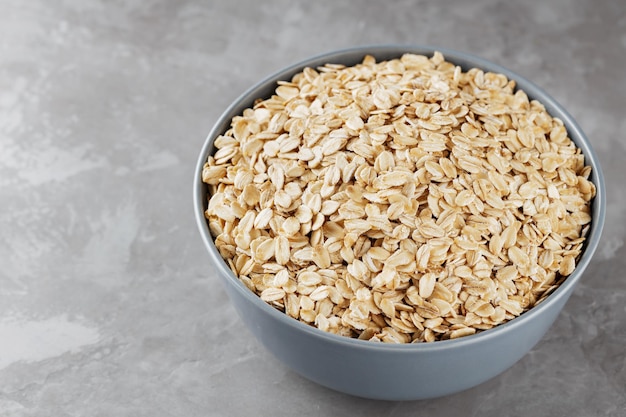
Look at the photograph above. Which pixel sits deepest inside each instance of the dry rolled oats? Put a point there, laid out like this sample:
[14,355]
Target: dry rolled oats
[399,201]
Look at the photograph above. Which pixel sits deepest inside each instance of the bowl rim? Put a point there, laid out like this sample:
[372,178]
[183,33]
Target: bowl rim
[465,60]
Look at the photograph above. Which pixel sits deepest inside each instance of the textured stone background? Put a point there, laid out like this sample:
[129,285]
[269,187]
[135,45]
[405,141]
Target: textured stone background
[108,304]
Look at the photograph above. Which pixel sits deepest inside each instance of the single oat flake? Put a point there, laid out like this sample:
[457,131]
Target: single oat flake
[399,201]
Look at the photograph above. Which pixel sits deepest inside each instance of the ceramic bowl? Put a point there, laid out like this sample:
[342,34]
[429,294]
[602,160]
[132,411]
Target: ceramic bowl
[380,370]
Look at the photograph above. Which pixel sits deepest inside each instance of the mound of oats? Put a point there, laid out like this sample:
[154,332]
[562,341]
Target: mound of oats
[400,201]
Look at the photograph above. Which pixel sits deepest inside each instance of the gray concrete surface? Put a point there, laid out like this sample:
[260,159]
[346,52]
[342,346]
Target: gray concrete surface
[108,304]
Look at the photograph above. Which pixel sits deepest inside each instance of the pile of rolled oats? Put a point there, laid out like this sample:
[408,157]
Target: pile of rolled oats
[400,201]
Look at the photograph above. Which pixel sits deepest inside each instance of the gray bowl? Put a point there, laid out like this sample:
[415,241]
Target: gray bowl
[384,371]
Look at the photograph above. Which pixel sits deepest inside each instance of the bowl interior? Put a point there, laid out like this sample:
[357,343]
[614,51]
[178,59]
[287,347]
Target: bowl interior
[352,56]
